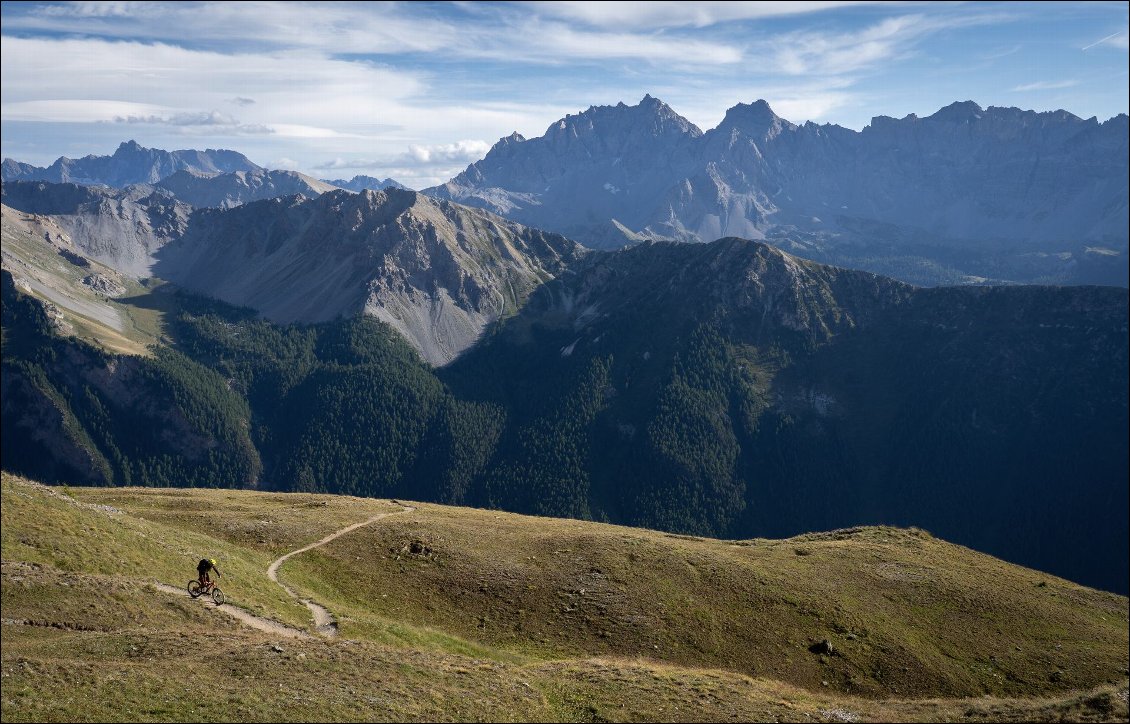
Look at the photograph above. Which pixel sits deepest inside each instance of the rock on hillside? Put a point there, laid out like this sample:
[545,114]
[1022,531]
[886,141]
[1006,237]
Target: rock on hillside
[436,271]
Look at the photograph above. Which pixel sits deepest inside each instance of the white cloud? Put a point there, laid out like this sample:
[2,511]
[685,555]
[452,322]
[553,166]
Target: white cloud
[639,15]
[458,152]
[1120,40]
[291,88]
[1045,85]
[809,53]
[512,33]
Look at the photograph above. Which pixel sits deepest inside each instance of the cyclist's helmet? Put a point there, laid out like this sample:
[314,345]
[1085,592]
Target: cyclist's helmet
[212,561]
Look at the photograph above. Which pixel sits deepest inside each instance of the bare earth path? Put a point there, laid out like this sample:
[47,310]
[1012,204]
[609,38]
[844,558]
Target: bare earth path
[263,624]
[324,621]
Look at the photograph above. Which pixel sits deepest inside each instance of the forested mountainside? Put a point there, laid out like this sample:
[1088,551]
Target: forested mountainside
[724,389]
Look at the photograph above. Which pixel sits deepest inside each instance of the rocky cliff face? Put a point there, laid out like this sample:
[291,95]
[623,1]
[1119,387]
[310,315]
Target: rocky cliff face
[950,188]
[130,164]
[437,272]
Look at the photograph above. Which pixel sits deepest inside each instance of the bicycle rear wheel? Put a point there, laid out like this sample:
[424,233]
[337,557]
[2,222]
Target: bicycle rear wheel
[194,588]
[218,596]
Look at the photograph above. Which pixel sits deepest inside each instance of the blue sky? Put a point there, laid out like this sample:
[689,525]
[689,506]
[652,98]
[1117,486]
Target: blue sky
[419,90]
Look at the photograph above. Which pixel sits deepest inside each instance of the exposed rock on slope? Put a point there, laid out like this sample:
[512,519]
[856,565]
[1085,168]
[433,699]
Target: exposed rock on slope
[120,228]
[436,271]
[130,164]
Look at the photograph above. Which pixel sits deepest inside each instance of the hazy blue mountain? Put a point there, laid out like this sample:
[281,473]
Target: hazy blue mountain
[964,195]
[130,164]
[232,189]
[370,183]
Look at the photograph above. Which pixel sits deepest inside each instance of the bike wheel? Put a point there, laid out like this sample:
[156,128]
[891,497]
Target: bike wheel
[194,588]
[218,596]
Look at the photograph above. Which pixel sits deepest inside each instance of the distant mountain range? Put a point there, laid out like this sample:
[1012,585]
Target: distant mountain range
[211,178]
[130,164]
[964,195]
[366,183]
[239,187]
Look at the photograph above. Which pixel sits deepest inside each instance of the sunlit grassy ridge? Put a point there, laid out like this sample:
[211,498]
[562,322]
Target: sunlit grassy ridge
[460,614]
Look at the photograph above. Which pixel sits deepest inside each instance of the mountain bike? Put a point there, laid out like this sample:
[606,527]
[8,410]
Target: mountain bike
[196,591]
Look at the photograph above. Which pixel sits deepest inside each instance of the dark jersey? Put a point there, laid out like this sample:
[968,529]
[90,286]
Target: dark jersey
[203,566]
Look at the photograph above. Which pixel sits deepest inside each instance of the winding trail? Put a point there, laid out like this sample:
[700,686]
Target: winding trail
[324,621]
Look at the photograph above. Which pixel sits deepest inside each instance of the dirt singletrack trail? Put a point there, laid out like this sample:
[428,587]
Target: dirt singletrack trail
[324,621]
[258,622]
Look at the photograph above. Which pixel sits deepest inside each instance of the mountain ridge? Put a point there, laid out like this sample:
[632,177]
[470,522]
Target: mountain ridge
[131,163]
[966,190]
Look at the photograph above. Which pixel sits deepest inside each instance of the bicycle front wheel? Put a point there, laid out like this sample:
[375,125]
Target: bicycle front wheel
[218,596]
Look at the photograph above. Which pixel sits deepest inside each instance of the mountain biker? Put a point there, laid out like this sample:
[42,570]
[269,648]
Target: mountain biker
[203,567]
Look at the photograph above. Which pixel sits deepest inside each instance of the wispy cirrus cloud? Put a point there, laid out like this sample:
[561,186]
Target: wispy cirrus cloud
[1120,40]
[1042,85]
[199,118]
[807,53]
[635,15]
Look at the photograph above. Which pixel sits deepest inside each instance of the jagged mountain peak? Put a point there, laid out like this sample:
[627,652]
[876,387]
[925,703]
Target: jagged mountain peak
[650,115]
[958,112]
[964,177]
[755,119]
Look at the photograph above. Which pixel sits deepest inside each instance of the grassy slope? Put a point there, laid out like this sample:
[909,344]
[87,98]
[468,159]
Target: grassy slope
[85,637]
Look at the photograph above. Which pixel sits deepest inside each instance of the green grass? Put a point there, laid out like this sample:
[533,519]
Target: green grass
[472,626]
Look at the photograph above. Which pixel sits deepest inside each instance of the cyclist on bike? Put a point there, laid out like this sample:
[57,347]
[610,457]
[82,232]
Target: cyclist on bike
[203,568]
